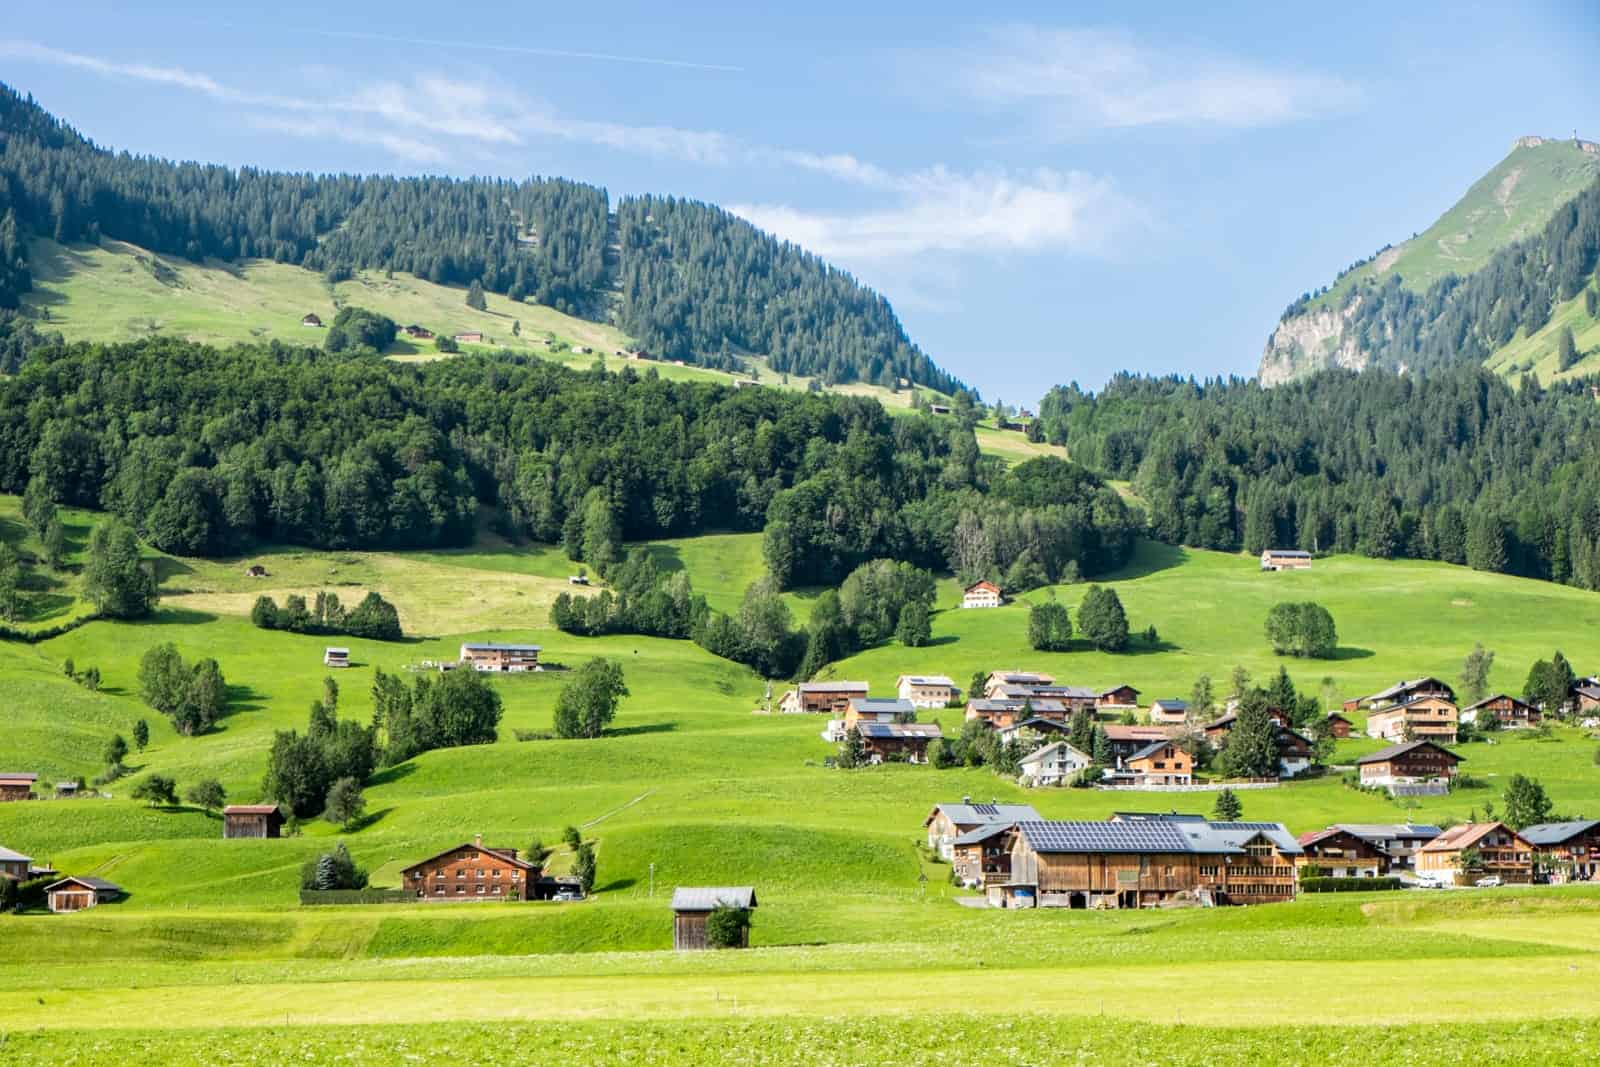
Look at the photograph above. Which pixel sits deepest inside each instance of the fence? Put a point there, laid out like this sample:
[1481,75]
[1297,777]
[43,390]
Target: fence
[355,896]
[1197,787]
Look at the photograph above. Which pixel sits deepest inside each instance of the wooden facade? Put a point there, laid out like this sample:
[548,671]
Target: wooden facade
[1430,718]
[78,894]
[821,698]
[983,856]
[946,822]
[1339,853]
[902,740]
[1125,740]
[17,785]
[926,691]
[513,658]
[14,865]
[252,820]
[859,710]
[1119,697]
[1508,711]
[1407,763]
[1401,692]
[1565,851]
[1285,559]
[1159,763]
[471,872]
[1338,725]
[692,906]
[1501,853]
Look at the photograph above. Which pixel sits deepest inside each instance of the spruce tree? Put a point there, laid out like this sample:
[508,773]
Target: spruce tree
[1228,808]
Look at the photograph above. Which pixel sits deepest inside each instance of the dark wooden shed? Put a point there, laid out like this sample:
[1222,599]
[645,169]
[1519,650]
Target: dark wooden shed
[692,905]
[252,820]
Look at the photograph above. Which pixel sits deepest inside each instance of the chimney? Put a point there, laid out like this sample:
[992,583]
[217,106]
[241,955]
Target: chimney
[477,840]
[966,800]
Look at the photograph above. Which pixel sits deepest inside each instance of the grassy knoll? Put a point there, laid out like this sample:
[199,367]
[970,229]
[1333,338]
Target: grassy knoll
[1536,353]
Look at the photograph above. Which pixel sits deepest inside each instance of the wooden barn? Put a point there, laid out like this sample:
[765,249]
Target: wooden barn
[692,906]
[252,820]
[76,894]
[17,785]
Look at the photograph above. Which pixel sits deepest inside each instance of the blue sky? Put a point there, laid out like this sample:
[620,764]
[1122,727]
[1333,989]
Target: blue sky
[1046,192]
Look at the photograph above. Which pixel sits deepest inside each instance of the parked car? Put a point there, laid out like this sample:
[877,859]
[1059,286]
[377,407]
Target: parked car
[568,894]
[1488,883]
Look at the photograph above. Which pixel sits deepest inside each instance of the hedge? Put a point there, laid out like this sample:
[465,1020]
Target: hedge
[355,896]
[1348,885]
[33,637]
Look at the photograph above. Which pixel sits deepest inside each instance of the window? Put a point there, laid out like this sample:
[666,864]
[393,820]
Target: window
[438,890]
[497,872]
[480,890]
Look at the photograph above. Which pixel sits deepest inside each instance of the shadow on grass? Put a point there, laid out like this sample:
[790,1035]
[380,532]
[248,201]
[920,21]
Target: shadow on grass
[644,728]
[619,883]
[371,818]
[1149,558]
[167,567]
[393,774]
[177,617]
[1346,652]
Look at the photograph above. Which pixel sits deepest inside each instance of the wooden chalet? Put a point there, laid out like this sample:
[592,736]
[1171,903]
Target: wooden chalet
[500,658]
[420,333]
[1147,862]
[693,905]
[1071,698]
[252,820]
[983,856]
[821,698]
[884,741]
[1338,725]
[14,865]
[1001,714]
[1586,698]
[471,872]
[1408,763]
[77,893]
[17,785]
[311,318]
[1029,680]
[1508,711]
[1158,763]
[1339,853]
[1285,559]
[1400,692]
[927,690]
[1565,851]
[1218,729]
[983,594]
[1031,733]
[1296,752]
[1398,842]
[1125,740]
[1419,717]
[336,657]
[946,822]
[1169,712]
[1117,698]
[1465,853]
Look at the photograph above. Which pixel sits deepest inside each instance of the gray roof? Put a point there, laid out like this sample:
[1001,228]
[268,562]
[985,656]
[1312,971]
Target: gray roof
[1151,749]
[1388,830]
[1384,754]
[1171,702]
[1037,723]
[832,687]
[1400,687]
[98,884]
[1155,816]
[927,679]
[13,857]
[1241,833]
[882,704]
[1153,836]
[500,648]
[1554,833]
[709,898]
[1497,696]
[982,833]
[979,814]
[928,730]
[1040,754]
[1295,553]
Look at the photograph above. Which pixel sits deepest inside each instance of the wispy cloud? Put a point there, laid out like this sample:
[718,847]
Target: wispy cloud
[1074,79]
[529,50]
[940,210]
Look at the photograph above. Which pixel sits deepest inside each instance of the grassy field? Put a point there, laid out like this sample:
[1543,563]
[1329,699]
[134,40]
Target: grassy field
[694,788]
[1536,353]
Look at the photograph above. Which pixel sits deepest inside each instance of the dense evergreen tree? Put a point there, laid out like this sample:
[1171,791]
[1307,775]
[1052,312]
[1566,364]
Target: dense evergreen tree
[1101,619]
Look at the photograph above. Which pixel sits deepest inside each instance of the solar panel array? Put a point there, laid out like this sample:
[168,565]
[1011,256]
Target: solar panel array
[1104,837]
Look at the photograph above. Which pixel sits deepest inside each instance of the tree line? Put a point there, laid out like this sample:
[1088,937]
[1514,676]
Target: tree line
[695,282]
[1451,464]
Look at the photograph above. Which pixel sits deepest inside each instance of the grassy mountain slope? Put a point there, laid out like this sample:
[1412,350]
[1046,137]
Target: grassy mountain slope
[1536,353]
[1511,202]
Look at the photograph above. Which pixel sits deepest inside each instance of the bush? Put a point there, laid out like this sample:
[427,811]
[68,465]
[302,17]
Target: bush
[333,870]
[1348,885]
[1302,629]
[1049,627]
[728,927]
[156,789]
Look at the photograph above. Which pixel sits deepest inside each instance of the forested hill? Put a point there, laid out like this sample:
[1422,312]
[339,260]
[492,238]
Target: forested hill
[689,280]
[1493,270]
[1451,464]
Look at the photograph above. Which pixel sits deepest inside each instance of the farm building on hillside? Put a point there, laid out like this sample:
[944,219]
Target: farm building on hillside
[1401,692]
[514,658]
[255,570]
[335,657]
[1568,851]
[1117,698]
[860,710]
[420,333]
[693,905]
[1508,711]
[1055,764]
[471,337]
[1217,730]
[1169,712]
[17,785]
[926,690]
[826,698]
[1158,763]
[1285,559]
[1586,698]
[311,319]
[982,594]
[946,822]
[76,894]
[998,680]
[1476,850]
[1408,763]
[1338,725]
[887,740]
[472,872]
[252,820]
[1424,717]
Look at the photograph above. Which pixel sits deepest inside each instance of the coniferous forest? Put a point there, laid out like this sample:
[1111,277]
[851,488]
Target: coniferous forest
[691,281]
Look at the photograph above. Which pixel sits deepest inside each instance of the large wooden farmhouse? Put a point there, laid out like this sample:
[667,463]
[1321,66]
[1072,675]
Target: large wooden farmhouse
[1339,853]
[822,698]
[1422,717]
[982,595]
[1408,763]
[1401,692]
[1285,559]
[1147,861]
[471,872]
[1509,712]
[693,905]
[513,658]
[1566,851]
[1470,851]
[1398,842]
[884,741]
[946,822]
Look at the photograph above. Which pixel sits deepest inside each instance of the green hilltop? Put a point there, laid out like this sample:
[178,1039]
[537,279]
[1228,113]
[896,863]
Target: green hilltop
[1513,202]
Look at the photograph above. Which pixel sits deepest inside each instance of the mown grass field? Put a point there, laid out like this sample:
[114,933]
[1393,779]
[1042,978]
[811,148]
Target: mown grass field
[694,788]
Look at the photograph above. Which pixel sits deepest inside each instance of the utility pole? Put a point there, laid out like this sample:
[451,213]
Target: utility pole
[652,879]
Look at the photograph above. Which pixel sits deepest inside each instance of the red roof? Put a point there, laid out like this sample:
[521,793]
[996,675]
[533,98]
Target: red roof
[990,586]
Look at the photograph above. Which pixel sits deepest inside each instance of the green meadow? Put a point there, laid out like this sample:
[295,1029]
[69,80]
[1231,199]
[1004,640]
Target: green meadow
[696,786]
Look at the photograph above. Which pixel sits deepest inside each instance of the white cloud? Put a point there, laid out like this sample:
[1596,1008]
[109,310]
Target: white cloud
[1078,79]
[403,147]
[939,210]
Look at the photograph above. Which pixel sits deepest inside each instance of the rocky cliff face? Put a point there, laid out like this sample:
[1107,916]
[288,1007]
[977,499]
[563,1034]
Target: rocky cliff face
[1308,342]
